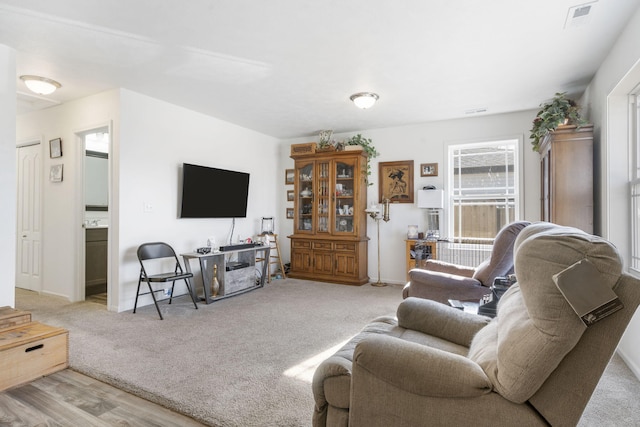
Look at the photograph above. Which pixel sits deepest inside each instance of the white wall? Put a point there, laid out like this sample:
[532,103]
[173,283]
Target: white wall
[423,143]
[62,230]
[606,104]
[156,138]
[150,140]
[7,176]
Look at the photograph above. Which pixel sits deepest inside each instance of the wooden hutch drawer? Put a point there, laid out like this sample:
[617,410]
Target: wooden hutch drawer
[322,246]
[301,244]
[345,247]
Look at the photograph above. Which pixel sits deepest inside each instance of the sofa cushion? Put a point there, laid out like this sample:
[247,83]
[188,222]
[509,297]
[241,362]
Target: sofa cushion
[535,326]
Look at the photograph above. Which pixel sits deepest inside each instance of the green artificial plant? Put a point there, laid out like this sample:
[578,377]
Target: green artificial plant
[368,148]
[554,113]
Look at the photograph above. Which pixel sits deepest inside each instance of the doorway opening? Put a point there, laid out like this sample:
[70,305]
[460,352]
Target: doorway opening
[96,219]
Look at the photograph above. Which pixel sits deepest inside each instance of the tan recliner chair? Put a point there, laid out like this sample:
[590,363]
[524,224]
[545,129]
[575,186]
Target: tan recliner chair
[536,363]
[441,281]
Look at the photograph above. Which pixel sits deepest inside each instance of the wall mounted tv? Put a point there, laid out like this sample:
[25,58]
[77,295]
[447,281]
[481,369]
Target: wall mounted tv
[213,193]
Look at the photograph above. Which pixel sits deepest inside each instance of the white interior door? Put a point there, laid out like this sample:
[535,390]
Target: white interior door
[29,248]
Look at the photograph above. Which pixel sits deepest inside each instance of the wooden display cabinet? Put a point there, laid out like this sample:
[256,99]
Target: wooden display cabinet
[329,242]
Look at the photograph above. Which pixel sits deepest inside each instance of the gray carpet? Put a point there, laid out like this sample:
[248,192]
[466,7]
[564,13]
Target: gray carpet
[248,360]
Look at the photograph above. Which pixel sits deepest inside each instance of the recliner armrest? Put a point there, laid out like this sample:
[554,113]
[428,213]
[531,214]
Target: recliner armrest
[440,286]
[419,369]
[437,278]
[447,267]
[440,320]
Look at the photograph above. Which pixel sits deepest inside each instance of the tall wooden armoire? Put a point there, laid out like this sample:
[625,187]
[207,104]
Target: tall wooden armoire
[566,160]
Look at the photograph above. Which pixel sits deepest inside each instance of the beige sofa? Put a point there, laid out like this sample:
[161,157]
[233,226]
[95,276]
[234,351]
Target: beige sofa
[536,363]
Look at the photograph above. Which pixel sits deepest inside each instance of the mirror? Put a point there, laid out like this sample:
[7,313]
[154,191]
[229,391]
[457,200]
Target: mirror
[96,176]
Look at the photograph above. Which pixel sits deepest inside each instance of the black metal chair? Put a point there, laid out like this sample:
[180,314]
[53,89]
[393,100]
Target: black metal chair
[159,251]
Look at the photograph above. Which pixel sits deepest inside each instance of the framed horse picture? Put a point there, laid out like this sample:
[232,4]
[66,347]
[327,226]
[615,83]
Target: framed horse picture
[396,181]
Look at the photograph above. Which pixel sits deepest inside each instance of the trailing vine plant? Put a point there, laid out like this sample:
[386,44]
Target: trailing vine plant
[368,148]
[554,113]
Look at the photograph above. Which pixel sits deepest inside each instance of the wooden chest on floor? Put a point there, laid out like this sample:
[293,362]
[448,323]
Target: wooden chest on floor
[30,351]
[10,317]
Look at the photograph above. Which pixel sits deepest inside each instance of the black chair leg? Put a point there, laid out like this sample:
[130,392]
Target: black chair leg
[135,305]
[155,301]
[186,281]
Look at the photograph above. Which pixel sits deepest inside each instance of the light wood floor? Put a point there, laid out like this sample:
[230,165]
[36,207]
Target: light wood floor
[68,398]
[99,298]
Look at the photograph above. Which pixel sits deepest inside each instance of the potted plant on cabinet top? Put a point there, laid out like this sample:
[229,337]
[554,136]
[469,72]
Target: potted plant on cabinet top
[324,141]
[554,113]
[367,146]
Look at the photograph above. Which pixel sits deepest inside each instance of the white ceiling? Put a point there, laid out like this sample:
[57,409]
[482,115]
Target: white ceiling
[287,67]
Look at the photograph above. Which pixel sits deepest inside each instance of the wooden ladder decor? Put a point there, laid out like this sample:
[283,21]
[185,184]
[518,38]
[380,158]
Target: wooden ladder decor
[274,257]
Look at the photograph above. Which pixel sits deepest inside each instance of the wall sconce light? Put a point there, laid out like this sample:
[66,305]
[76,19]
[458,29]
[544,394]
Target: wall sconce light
[40,85]
[364,99]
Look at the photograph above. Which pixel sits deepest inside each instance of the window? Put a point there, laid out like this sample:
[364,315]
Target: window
[483,188]
[634,133]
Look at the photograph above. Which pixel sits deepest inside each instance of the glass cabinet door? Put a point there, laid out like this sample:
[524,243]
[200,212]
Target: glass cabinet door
[344,197]
[304,198]
[322,201]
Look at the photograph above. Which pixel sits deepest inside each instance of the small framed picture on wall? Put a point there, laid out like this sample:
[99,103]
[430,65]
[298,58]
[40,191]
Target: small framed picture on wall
[55,173]
[429,169]
[289,213]
[412,232]
[289,195]
[288,176]
[55,148]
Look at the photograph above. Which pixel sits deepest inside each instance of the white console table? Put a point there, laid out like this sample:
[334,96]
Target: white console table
[233,281]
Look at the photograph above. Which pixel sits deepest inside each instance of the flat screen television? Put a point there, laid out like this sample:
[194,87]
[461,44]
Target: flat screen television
[213,193]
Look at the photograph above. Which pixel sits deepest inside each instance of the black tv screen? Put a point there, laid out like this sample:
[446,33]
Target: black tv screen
[213,193]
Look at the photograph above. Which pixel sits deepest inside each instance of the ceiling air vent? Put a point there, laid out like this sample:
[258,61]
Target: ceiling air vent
[476,110]
[579,15]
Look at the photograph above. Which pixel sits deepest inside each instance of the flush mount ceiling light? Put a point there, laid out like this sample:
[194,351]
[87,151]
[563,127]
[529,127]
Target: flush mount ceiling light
[40,85]
[364,99]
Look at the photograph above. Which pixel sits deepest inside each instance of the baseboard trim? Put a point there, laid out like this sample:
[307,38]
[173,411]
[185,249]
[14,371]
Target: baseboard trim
[630,363]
